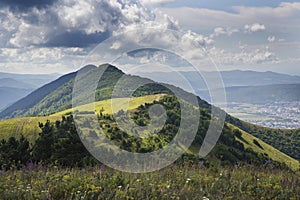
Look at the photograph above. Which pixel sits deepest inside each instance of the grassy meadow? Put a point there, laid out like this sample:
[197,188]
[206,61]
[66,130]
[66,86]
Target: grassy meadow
[173,182]
[29,126]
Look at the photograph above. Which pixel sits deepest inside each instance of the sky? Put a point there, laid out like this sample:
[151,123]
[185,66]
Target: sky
[60,36]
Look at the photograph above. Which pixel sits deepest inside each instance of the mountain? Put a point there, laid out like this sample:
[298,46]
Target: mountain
[234,144]
[23,106]
[33,80]
[259,94]
[9,82]
[230,78]
[253,78]
[16,86]
[10,95]
[57,96]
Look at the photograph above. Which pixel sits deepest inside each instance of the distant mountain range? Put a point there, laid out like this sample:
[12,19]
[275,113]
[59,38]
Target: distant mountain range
[240,86]
[13,87]
[230,78]
[35,80]
[259,94]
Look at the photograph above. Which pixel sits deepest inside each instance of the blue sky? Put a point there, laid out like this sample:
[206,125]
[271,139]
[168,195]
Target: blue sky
[56,35]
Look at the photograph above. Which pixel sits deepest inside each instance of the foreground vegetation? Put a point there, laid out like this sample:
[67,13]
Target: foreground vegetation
[173,182]
[57,165]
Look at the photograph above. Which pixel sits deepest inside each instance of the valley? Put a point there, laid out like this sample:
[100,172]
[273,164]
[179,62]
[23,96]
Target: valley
[281,115]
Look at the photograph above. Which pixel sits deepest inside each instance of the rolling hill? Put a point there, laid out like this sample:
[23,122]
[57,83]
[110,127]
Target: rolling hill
[56,97]
[29,127]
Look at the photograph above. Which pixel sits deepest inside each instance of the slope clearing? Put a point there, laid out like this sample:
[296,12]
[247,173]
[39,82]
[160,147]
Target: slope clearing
[28,126]
[260,146]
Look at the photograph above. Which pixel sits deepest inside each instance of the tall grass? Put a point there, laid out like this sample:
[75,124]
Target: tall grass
[174,182]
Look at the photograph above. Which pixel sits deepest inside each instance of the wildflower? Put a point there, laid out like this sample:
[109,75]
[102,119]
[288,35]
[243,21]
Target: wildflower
[205,198]
[138,180]
[221,174]
[120,186]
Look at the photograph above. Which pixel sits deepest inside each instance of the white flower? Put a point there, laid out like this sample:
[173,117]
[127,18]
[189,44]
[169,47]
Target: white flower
[205,198]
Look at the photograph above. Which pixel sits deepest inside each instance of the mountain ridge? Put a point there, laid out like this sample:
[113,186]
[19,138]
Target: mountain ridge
[57,96]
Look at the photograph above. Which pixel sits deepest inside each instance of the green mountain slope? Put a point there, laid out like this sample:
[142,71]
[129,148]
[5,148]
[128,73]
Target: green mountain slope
[29,126]
[287,141]
[56,96]
[231,147]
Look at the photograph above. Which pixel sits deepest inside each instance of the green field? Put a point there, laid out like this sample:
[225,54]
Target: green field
[28,126]
[117,104]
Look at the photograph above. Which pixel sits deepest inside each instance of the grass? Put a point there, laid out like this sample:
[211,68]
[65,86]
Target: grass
[173,182]
[117,104]
[28,126]
[274,154]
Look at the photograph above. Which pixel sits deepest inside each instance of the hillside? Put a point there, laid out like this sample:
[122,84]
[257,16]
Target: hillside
[10,95]
[56,97]
[30,129]
[28,126]
[22,107]
[248,141]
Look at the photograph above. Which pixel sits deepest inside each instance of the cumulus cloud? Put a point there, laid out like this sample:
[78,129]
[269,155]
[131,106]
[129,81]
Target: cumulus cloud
[70,23]
[223,31]
[254,27]
[271,38]
[246,56]
[48,34]
[21,5]
[278,19]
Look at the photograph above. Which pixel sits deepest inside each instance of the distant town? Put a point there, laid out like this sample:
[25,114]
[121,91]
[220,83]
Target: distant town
[283,115]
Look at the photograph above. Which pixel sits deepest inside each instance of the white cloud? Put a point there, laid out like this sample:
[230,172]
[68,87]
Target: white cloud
[246,56]
[254,28]
[223,31]
[284,17]
[271,38]
[156,1]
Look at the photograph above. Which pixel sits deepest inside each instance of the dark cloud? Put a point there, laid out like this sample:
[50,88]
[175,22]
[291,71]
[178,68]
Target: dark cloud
[25,4]
[76,39]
